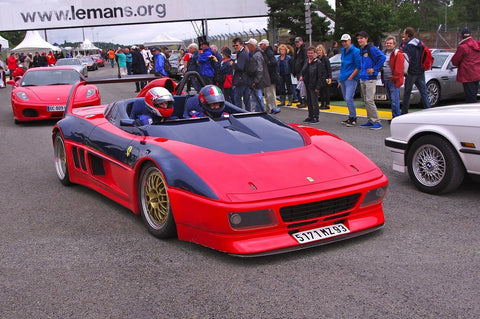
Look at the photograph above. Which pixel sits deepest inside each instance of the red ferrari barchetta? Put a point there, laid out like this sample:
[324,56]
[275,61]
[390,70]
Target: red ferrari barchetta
[247,184]
[42,93]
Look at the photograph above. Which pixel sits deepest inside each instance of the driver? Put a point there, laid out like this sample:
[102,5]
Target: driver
[209,102]
[158,107]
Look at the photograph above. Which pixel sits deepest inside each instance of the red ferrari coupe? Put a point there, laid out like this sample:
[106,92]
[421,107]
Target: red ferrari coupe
[42,93]
[246,184]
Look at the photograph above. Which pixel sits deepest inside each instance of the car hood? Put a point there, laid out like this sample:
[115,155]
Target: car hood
[56,93]
[327,163]
[462,114]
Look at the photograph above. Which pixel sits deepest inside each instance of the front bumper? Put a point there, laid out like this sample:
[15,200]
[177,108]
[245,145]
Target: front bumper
[398,149]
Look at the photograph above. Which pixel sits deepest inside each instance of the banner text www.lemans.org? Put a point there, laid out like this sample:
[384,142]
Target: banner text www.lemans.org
[158,10]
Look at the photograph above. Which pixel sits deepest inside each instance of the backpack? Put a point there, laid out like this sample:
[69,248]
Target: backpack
[426,60]
[406,60]
[167,66]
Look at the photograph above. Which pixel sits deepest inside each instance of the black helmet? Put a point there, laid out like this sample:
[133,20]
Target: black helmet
[211,94]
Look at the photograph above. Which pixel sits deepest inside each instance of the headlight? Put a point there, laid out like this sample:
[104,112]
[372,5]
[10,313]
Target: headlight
[374,196]
[253,219]
[91,92]
[22,95]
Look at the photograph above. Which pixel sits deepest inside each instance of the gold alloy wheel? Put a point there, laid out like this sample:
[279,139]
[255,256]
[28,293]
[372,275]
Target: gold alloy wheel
[155,201]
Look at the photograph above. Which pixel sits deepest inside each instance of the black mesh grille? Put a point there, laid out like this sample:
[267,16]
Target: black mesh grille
[318,209]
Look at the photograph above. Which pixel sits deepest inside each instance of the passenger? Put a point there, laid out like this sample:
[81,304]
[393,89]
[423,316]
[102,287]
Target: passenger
[209,102]
[158,107]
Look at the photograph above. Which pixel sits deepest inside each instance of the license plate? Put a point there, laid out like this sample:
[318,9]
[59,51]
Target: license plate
[308,236]
[55,108]
[381,97]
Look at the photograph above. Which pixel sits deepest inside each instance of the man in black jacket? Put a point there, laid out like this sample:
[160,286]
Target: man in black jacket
[241,80]
[138,67]
[298,62]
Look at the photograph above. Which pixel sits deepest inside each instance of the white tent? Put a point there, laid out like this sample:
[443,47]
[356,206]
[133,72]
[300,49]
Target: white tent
[34,42]
[87,45]
[4,42]
[163,39]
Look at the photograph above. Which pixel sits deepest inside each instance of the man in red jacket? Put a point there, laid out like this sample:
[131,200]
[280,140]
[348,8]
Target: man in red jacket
[392,74]
[467,58]
[11,64]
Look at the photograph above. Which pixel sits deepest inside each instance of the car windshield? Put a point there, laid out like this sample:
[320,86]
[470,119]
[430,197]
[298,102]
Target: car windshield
[69,62]
[336,59]
[50,77]
[439,60]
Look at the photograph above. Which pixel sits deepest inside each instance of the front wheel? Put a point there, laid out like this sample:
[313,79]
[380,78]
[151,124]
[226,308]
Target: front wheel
[433,89]
[154,203]
[434,166]
[60,154]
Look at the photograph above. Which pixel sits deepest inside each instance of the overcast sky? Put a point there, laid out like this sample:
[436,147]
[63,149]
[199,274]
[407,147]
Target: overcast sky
[138,34]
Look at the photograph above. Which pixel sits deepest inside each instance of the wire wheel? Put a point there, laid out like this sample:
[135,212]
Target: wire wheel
[433,92]
[155,203]
[429,165]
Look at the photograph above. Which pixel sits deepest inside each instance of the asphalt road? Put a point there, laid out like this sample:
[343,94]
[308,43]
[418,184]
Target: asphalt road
[68,252]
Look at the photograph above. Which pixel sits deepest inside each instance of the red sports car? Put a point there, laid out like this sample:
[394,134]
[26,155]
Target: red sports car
[42,93]
[247,184]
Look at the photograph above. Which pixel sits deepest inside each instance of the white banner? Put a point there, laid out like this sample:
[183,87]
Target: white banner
[54,14]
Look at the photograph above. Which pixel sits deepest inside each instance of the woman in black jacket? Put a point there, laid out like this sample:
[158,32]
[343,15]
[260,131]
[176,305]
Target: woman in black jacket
[325,90]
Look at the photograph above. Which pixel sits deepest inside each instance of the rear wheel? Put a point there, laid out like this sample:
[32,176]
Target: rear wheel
[154,203]
[60,154]
[433,89]
[434,166]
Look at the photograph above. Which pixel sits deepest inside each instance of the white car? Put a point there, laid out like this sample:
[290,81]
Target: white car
[437,146]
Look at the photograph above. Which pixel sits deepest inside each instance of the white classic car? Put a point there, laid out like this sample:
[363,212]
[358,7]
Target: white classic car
[437,146]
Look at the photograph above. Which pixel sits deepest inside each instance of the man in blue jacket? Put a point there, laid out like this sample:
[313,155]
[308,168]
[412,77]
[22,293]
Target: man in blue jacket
[348,77]
[205,60]
[241,80]
[371,61]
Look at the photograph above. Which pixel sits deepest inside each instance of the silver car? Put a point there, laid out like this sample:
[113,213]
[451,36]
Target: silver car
[441,82]
[74,63]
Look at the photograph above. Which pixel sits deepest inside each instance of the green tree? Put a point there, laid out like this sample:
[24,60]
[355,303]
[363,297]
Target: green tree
[371,16]
[13,37]
[291,15]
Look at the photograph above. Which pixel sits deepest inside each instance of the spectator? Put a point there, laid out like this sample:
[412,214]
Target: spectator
[122,61]
[18,72]
[36,60]
[11,64]
[260,78]
[43,59]
[138,67]
[348,77]
[147,57]
[285,87]
[205,61]
[392,75]
[270,91]
[414,48]
[216,63]
[27,62]
[467,58]
[314,77]
[2,74]
[371,61]
[293,80]
[111,57]
[334,50]
[299,59]
[324,90]
[241,80]
[192,65]
[128,60]
[159,62]
[227,75]
[51,59]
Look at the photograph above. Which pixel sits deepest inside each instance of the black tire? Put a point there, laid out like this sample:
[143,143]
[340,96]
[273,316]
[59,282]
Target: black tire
[434,166]
[154,203]
[433,89]
[61,167]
